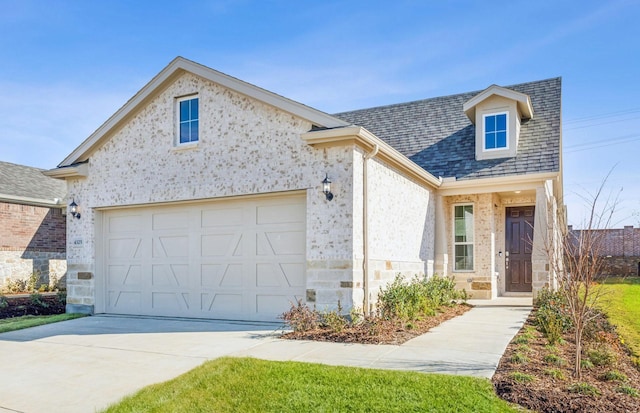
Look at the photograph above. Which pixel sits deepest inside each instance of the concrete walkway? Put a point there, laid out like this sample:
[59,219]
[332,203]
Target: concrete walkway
[86,364]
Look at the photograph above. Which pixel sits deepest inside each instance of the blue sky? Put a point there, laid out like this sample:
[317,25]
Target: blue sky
[66,66]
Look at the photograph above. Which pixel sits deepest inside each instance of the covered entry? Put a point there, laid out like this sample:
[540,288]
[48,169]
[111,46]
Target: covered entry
[234,259]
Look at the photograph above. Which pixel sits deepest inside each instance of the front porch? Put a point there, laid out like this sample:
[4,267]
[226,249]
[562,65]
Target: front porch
[496,243]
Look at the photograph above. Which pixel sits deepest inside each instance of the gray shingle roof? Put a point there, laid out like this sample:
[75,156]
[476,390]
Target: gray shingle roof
[437,135]
[27,182]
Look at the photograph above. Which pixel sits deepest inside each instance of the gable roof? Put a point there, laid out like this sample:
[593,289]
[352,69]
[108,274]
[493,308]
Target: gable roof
[26,185]
[176,68]
[522,100]
[437,134]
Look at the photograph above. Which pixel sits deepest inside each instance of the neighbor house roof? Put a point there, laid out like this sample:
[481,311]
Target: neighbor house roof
[437,134]
[27,185]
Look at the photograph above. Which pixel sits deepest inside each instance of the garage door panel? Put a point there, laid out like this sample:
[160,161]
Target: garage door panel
[171,246]
[124,248]
[280,214]
[235,259]
[220,245]
[170,220]
[223,217]
[124,274]
[282,243]
[124,223]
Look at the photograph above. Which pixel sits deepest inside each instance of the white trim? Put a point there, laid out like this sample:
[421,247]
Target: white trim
[523,101]
[177,120]
[495,184]
[25,200]
[484,132]
[453,238]
[75,171]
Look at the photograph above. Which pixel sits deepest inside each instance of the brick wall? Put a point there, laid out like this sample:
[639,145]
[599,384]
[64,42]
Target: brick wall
[32,239]
[621,249]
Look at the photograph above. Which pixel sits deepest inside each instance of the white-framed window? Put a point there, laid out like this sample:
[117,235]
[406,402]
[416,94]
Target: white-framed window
[496,131]
[463,237]
[187,120]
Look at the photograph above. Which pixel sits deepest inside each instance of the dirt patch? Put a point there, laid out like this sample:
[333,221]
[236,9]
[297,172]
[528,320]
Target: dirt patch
[552,382]
[381,331]
[44,304]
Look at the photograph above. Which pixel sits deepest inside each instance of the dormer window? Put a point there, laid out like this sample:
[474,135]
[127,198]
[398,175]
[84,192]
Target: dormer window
[497,114]
[496,131]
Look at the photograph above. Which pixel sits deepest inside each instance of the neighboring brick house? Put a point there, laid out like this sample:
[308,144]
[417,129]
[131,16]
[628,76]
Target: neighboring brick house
[205,196]
[620,248]
[32,224]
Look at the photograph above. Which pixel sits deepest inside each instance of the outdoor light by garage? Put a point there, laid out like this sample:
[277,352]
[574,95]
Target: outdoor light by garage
[326,188]
[73,209]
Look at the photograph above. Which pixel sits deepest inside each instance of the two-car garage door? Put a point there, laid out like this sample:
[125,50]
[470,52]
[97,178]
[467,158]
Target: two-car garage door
[238,259]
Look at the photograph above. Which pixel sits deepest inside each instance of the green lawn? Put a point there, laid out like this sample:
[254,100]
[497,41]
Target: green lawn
[251,385]
[622,303]
[18,323]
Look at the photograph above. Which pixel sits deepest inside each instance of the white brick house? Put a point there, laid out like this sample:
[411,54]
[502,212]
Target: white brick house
[203,197]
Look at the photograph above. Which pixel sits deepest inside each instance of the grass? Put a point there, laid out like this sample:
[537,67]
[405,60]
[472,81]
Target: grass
[251,385]
[27,321]
[620,302]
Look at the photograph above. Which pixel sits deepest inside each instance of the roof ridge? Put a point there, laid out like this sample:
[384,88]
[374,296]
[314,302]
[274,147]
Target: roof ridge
[411,102]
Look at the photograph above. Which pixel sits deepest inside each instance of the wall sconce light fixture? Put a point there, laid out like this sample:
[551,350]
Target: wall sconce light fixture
[73,209]
[326,187]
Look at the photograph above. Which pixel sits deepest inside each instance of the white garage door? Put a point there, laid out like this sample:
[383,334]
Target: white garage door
[242,260]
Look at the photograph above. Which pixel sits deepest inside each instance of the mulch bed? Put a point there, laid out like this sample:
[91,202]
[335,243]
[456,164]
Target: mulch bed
[548,394]
[380,331]
[24,305]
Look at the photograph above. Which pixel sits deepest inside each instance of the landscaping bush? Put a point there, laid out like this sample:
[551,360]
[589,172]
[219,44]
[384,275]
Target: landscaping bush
[418,298]
[552,318]
[301,318]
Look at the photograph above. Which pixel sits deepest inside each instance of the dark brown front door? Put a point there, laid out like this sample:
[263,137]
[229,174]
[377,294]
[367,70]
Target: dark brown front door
[519,238]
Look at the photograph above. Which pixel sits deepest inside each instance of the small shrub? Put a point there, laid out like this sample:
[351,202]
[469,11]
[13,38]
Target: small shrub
[521,377]
[33,282]
[521,339]
[524,348]
[552,317]
[614,375]
[61,296]
[519,358]
[586,364]
[554,359]
[626,389]
[584,388]
[3,302]
[36,299]
[334,319]
[14,286]
[601,356]
[555,373]
[356,315]
[300,317]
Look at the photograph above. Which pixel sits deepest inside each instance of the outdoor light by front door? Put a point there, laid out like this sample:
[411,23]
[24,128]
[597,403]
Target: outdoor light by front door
[73,209]
[326,188]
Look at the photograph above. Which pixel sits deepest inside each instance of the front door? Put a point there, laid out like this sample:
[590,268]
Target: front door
[519,239]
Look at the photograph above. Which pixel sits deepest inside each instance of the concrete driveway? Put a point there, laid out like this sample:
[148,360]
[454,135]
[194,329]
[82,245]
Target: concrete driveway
[84,365]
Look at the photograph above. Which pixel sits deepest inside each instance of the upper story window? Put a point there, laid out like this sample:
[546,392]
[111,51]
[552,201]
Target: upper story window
[496,131]
[188,120]
[463,238]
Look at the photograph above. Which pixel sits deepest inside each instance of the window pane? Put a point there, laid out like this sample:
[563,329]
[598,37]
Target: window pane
[194,131]
[501,122]
[194,109]
[184,110]
[501,139]
[490,140]
[184,132]
[490,124]
[464,257]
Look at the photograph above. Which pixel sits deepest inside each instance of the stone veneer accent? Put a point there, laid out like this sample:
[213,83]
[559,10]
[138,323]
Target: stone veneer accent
[246,148]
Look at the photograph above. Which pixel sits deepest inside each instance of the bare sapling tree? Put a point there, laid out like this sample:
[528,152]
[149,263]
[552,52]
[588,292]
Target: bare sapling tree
[578,261]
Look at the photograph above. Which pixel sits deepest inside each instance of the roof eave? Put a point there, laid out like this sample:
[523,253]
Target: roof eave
[363,138]
[522,100]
